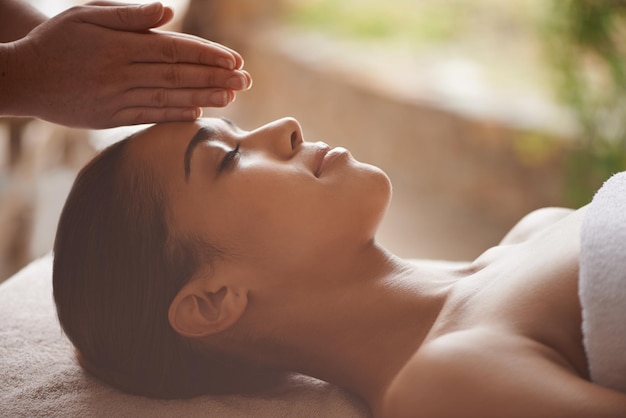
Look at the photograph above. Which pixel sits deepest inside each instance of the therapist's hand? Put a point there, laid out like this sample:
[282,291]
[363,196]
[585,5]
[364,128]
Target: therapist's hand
[102,65]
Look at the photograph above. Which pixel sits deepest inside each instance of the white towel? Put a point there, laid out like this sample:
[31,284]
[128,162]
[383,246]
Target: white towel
[602,284]
[39,377]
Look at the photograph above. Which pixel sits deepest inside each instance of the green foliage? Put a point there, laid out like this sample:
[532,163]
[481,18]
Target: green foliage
[378,20]
[586,46]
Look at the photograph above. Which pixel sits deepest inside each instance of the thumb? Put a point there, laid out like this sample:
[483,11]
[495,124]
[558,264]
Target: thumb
[127,17]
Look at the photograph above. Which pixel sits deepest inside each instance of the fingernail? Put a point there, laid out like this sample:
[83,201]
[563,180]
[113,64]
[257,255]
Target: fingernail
[237,82]
[192,113]
[219,98]
[151,9]
[226,63]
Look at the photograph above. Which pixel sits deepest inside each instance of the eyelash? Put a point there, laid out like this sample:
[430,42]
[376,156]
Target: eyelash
[229,158]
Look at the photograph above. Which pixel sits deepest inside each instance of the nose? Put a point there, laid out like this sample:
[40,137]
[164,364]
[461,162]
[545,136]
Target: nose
[282,137]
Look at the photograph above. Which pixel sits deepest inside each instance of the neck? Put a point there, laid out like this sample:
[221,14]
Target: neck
[358,328]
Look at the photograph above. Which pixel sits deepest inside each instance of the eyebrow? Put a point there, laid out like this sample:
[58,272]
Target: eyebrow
[204,133]
[230,123]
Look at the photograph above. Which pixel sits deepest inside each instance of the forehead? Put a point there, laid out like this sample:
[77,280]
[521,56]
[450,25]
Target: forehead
[156,155]
[162,147]
[160,151]
[163,139]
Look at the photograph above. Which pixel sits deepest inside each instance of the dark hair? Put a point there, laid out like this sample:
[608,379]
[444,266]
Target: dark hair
[116,270]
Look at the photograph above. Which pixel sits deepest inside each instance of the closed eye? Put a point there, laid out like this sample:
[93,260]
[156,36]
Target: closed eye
[229,159]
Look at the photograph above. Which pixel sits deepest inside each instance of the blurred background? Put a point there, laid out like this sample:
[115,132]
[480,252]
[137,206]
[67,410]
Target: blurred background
[479,110]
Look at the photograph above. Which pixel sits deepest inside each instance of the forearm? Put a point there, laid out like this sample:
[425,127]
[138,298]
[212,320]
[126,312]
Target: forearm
[17,18]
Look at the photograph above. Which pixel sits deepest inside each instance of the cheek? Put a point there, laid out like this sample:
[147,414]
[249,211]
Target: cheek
[261,207]
[279,220]
[362,194]
[292,215]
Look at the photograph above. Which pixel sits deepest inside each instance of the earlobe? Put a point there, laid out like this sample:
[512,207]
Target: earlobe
[200,310]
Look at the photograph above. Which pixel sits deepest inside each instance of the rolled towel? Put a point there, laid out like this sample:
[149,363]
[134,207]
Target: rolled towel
[602,284]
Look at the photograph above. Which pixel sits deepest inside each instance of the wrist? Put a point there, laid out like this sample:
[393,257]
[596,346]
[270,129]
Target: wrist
[12,82]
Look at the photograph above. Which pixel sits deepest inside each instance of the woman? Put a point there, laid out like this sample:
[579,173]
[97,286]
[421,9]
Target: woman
[197,257]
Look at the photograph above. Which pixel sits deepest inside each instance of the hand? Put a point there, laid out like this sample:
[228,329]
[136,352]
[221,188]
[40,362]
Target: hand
[102,65]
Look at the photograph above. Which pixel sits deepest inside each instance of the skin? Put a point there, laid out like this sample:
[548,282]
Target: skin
[104,64]
[302,285]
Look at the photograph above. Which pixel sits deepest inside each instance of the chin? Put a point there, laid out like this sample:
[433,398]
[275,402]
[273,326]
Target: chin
[376,193]
[383,182]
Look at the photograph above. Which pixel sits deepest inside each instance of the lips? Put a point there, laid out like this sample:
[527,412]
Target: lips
[320,153]
[327,156]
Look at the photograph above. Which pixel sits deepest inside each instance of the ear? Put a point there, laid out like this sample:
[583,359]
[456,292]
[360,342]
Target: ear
[204,307]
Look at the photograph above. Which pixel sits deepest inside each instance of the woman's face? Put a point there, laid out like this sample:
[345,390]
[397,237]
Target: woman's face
[266,196]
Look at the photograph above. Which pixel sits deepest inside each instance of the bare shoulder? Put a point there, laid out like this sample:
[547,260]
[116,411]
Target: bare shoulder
[534,222]
[481,373]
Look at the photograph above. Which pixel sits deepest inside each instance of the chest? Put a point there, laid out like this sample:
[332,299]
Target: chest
[527,290]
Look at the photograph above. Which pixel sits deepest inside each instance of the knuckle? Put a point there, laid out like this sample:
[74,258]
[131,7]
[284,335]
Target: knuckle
[212,79]
[158,97]
[118,118]
[139,116]
[76,13]
[172,75]
[123,14]
[169,50]
[76,9]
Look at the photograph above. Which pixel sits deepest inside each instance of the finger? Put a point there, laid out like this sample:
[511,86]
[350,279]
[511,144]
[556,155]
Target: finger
[124,17]
[186,76]
[175,98]
[140,115]
[108,3]
[174,47]
[238,58]
[111,3]
[129,11]
[168,15]
[168,12]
